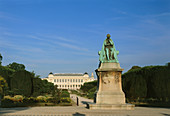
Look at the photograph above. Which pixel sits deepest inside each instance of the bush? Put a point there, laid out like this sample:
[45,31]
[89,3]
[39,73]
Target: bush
[7,103]
[18,98]
[41,99]
[32,100]
[90,95]
[65,94]
[65,100]
[7,97]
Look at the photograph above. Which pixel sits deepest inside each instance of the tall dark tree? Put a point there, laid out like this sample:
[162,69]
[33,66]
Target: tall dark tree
[147,82]
[0,58]
[21,83]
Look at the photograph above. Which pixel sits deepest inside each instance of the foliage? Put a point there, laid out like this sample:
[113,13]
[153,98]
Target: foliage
[41,87]
[65,94]
[134,67]
[65,100]
[90,95]
[87,86]
[0,58]
[21,83]
[56,94]
[147,82]
[41,99]
[6,73]
[16,66]
[3,84]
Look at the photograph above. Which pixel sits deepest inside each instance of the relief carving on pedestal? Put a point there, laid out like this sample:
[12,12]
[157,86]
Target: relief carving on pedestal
[106,78]
[117,77]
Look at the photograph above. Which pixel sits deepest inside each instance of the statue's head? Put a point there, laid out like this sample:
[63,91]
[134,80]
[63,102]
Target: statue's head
[108,36]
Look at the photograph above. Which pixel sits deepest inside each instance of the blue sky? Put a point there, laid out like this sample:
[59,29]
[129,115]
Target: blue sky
[63,36]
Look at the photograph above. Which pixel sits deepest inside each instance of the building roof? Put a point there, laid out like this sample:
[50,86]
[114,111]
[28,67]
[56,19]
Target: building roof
[68,74]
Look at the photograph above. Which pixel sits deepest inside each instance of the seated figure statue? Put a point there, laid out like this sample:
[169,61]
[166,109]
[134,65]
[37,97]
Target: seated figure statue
[108,52]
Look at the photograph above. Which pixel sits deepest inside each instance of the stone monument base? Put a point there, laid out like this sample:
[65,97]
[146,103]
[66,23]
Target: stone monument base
[111,106]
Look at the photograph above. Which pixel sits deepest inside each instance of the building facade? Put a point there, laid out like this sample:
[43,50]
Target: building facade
[72,81]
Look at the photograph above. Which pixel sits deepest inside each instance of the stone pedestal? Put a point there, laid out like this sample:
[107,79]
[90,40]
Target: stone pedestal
[109,93]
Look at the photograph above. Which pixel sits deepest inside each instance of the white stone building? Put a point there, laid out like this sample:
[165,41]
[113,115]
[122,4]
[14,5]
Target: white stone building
[69,80]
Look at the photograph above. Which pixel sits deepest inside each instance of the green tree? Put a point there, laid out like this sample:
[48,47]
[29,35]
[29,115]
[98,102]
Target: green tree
[6,73]
[3,84]
[56,93]
[21,83]
[87,86]
[16,66]
[134,67]
[147,82]
[41,87]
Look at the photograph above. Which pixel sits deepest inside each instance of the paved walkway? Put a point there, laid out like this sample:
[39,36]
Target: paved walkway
[81,100]
[81,111]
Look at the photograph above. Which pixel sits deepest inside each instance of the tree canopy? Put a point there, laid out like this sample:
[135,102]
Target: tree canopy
[147,82]
[16,66]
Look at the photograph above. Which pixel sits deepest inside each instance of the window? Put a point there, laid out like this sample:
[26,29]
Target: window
[76,85]
[54,80]
[57,80]
[70,80]
[76,80]
[73,80]
[70,85]
[79,85]
[73,85]
[62,80]
[65,80]
[63,86]
[81,80]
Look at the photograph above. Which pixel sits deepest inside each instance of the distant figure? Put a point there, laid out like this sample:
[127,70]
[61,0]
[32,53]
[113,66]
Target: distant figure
[77,101]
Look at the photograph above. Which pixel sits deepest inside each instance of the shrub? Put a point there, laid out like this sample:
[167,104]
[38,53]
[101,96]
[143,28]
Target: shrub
[7,97]
[32,100]
[7,102]
[41,99]
[18,98]
[90,95]
[65,94]
[65,100]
